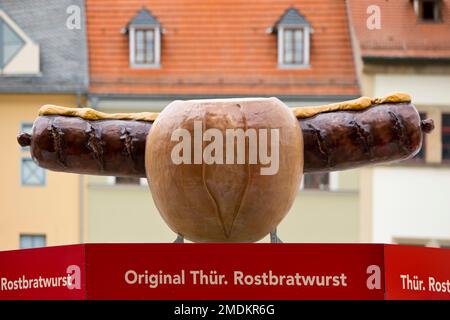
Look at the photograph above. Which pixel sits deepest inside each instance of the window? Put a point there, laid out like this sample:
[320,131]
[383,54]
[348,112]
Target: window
[127,181]
[18,53]
[320,181]
[28,241]
[293,51]
[10,43]
[428,10]
[31,173]
[144,40]
[144,46]
[422,242]
[446,137]
[293,32]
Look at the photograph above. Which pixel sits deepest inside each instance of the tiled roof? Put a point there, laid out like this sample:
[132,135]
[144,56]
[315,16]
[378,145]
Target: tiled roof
[402,34]
[63,51]
[220,47]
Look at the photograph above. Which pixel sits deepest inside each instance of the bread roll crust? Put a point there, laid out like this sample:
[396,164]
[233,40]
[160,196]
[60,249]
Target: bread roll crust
[224,202]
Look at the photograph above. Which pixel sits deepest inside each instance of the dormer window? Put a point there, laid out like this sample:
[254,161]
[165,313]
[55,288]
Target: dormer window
[144,32]
[428,10]
[293,32]
[10,43]
[18,53]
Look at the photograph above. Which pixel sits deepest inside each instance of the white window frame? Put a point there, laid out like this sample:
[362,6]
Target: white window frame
[157,43]
[111,180]
[333,181]
[306,47]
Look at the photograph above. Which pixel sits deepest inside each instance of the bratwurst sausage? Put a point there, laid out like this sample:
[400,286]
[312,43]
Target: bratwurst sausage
[98,147]
[349,139]
[336,137]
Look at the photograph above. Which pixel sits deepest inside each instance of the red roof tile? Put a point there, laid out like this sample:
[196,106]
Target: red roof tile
[220,47]
[402,34]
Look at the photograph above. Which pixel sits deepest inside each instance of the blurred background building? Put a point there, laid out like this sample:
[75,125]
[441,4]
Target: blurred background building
[41,62]
[144,54]
[410,51]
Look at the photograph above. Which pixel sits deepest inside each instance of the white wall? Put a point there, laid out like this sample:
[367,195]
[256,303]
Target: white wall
[411,202]
[425,89]
[26,61]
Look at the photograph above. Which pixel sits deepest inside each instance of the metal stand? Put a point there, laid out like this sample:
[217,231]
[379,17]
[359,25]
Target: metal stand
[179,239]
[274,238]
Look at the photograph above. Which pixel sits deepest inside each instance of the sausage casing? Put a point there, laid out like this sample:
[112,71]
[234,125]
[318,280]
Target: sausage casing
[349,139]
[335,140]
[100,147]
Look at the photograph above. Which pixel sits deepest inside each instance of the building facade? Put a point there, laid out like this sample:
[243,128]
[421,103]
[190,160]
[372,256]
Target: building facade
[405,46]
[42,61]
[145,54]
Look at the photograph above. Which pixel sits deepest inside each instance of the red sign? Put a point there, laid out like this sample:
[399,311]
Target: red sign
[45,273]
[223,272]
[417,273]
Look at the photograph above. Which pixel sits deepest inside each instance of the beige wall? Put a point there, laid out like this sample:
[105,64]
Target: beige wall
[321,216]
[124,214]
[348,180]
[52,209]
[128,214]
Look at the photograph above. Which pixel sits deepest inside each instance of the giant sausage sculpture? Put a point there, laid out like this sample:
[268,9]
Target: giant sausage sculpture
[215,197]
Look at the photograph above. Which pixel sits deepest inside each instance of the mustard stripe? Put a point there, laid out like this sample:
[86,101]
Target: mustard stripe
[91,114]
[300,112]
[352,105]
